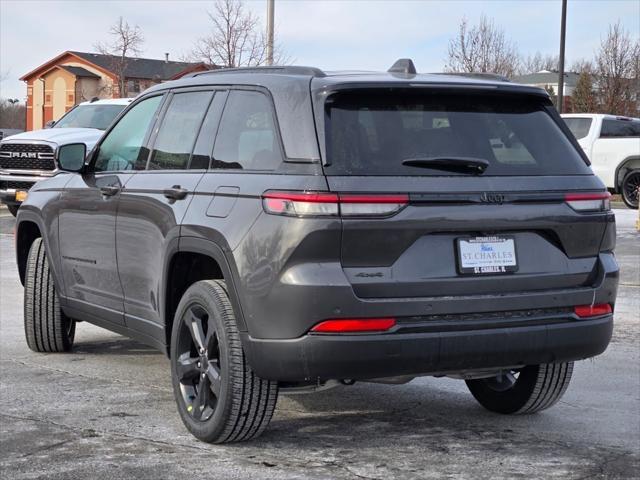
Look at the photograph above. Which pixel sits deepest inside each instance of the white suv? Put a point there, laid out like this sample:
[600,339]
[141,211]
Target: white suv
[612,143]
[29,157]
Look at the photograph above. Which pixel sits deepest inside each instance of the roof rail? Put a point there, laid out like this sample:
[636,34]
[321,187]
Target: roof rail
[286,70]
[477,75]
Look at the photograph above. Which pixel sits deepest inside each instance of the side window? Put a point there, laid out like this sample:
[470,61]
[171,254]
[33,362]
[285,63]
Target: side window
[247,136]
[178,131]
[620,128]
[201,157]
[123,149]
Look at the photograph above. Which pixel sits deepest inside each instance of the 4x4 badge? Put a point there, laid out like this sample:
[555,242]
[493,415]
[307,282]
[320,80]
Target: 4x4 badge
[492,198]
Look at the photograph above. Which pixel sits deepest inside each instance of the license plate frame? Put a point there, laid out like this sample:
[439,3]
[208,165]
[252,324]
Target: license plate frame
[504,261]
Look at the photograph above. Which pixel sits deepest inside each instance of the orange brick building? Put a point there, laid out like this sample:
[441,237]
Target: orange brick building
[73,77]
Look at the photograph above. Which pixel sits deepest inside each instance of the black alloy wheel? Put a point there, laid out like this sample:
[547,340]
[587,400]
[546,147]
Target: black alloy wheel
[219,397]
[630,188]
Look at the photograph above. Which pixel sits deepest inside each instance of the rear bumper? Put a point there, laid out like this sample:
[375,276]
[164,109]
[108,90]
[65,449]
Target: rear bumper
[321,357]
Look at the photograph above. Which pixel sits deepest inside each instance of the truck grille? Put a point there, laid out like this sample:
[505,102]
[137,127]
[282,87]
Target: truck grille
[25,156]
[10,185]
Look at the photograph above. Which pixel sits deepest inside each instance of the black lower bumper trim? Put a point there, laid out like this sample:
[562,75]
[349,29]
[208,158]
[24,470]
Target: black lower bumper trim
[326,357]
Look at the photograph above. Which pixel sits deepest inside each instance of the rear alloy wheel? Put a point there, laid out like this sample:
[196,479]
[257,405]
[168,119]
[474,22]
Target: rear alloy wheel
[46,326]
[630,186]
[527,390]
[219,397]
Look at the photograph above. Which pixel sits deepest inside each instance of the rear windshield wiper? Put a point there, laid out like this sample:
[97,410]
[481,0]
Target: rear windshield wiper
[452,164]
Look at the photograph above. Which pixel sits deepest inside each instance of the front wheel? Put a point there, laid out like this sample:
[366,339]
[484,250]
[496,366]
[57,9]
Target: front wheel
[527,390]
[219,397]
[46,326]
[630,188]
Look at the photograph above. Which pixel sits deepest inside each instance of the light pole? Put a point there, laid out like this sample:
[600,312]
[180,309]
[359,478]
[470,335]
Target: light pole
[563,28]
[270,14]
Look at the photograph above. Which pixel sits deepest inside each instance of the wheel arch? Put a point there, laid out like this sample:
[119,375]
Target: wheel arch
[630,163]
[27,231]
[193,260]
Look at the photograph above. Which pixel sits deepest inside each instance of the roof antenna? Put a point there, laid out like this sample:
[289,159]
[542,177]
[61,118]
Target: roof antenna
[404,65]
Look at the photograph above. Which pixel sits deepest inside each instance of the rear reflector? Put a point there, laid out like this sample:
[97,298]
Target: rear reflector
[355,325]
[589,202]
[315,204]
[585,311]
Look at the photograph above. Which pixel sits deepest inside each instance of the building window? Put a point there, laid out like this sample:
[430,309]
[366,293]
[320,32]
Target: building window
[69,98]
[133,86]
[47,98]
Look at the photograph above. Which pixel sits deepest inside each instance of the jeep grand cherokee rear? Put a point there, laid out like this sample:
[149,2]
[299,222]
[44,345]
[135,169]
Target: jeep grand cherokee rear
[283,230]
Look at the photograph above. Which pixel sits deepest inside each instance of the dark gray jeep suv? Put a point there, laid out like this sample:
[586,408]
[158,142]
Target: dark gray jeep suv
[283,229]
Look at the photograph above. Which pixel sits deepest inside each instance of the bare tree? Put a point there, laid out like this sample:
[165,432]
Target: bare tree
[236,38]
[538,62]
[126,42]
[482,48]
[616,65]
[13,114]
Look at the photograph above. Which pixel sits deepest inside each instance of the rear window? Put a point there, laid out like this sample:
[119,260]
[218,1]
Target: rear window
[579,126]
[372,134]
[620,128]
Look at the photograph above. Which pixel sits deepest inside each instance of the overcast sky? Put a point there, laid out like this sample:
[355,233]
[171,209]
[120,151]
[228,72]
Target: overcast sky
[335,34]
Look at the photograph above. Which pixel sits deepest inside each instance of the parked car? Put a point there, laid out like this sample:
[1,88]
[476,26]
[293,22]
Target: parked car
[29,157]
[280,229]
[7,132]
[612,143]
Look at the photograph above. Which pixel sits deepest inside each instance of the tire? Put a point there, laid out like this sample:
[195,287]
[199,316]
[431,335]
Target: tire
[46,327]
[13,209]
[219,398]
[629,188]
[536,388]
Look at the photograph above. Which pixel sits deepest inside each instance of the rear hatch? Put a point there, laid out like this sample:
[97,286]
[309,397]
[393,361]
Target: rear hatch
[491,196]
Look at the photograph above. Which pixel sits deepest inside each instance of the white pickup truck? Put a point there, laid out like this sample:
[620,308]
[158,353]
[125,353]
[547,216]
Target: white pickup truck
[612,143]
[29,157]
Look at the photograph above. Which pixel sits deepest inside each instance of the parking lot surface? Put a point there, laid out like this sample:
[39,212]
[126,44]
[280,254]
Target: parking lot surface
[106,410]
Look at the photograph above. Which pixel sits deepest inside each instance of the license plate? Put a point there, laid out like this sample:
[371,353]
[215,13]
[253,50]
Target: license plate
[487,255]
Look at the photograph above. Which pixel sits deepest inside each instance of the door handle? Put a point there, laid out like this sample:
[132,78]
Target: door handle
[175,193]
[109,190]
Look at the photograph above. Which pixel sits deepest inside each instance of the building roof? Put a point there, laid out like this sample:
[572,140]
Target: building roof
[148,68]
[547,77]
[79,71]
[144,68]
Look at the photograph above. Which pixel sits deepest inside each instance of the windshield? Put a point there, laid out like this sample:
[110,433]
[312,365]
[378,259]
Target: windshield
[579,126]
[373,134]
[90,116]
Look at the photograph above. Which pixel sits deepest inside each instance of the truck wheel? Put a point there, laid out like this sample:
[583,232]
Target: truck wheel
[219,397]
[46,326]
[528,390]
[13,209]
[629,188]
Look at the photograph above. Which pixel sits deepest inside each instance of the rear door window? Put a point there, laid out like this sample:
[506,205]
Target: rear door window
[247,137]
[178,131]
[369,134]
[620,128]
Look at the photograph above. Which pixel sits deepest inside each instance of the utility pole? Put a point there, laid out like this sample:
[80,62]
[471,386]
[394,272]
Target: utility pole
[270,15]
[563,28]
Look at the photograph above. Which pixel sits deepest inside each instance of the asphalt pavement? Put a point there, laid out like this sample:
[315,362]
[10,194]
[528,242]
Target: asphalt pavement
[106,411]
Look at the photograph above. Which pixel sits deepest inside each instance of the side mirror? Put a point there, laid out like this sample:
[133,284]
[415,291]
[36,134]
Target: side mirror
[71,157]
[50,124]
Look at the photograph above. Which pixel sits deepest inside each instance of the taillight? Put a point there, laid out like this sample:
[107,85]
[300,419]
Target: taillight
[589,202]
[586,311]
[355,325]
[301,204]
[314,204]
